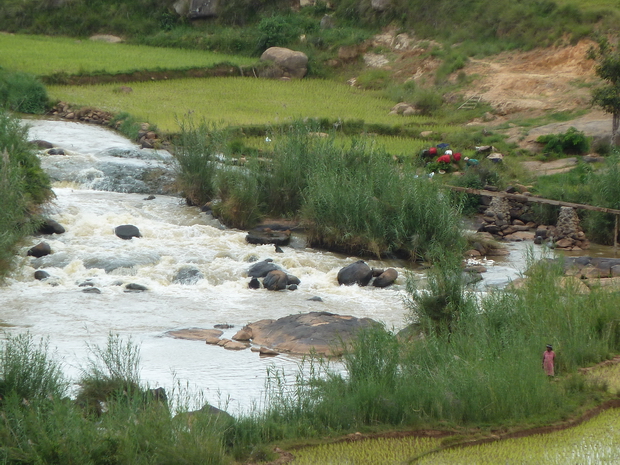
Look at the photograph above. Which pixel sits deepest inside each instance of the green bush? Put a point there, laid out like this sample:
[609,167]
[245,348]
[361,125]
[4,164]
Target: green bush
[22,92]
[572,141]
[28,371]
[375,79]
[428,101]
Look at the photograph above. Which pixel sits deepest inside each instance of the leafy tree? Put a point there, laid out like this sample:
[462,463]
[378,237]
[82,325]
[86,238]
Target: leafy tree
[608,69]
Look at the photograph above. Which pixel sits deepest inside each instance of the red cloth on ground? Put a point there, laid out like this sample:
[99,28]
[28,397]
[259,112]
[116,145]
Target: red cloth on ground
[548,359]
[444,159]
[433,150]
[457,156]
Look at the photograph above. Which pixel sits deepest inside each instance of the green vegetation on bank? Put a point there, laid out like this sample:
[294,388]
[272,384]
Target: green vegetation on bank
[598,185]
[476,372]
[23,186]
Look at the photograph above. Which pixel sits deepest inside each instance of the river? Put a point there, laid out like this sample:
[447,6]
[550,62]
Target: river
[174,235]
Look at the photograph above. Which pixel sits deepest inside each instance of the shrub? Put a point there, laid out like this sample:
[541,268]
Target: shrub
[572,141]
[375,79]
[28,371]
[428,101]
[22,92]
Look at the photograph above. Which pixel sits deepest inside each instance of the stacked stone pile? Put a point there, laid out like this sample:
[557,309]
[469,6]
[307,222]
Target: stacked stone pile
[568,232]
[512,220]
[508,219]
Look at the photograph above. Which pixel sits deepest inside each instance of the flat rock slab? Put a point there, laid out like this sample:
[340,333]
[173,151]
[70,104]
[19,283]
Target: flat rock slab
[195,334]
[540,168]
[321,332]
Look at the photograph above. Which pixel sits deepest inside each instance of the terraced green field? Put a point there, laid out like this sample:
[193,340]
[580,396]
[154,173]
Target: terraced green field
[235,101]
[43,56]
[592,442]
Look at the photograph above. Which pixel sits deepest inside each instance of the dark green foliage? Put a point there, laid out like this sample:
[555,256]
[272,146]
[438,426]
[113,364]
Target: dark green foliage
[23,185]
[28,371]
[22,92]
[280,30]
[607,68]
[443,301]
[84,18]
[571,142]
[428,101]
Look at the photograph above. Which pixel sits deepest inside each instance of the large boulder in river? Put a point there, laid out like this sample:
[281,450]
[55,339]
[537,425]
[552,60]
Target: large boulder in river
[386,278]
[262,236]
[356,273]
[188,275]
[40,250]
[127,231]
[49,226]
[276,280]
[322,332]
[292,64]
[260,269]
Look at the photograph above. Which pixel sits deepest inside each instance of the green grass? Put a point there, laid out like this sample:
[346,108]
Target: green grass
[235,101]
[591,442]
[44,56]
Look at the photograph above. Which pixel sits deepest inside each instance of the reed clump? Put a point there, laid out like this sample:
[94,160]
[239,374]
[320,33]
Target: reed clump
[353,198]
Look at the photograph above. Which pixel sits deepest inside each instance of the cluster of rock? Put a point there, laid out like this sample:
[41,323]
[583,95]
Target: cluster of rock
[43,249]
[273,276]
[592,267]
[404,109]
[315,332]
[361,274]
[511,219]
[147,138]
[85,115]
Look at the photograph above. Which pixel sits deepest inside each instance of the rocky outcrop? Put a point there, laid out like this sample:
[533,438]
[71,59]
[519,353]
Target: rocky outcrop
[49,226]
[303,333]
[291,64]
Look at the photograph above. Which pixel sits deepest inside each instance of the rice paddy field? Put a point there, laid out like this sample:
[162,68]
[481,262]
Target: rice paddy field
[592,442]
[236,101]
[44,56]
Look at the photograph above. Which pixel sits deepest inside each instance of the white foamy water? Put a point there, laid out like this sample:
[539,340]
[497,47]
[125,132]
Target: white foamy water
[175,235]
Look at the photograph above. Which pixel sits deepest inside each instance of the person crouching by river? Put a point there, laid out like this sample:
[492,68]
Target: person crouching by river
[548,361]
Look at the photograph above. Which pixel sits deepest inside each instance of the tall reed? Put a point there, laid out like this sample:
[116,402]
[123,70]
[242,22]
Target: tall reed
[196,149]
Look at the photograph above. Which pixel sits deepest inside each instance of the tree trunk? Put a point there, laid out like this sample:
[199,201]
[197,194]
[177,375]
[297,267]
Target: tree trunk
[614,127]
